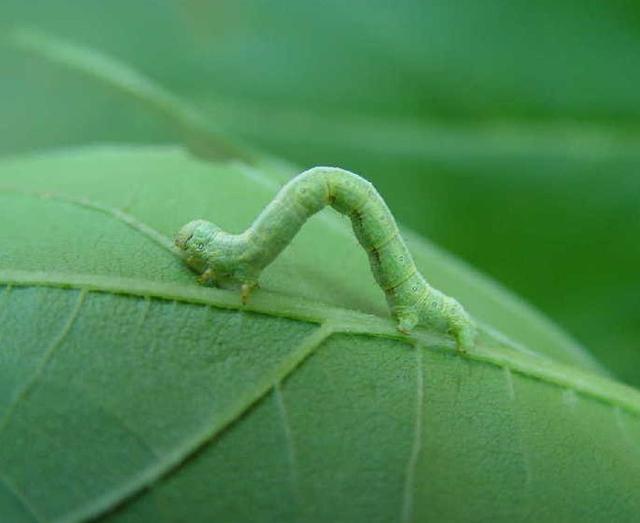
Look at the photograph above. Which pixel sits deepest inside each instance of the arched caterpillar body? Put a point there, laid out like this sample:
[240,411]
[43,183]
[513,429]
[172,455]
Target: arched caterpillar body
[220,256]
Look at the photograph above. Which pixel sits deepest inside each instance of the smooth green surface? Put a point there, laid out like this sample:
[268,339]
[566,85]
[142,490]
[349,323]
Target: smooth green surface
[513,125]
[131,393]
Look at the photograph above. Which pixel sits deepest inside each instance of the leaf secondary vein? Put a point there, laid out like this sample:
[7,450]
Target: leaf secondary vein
[4,300]
[512,400]
[46,358]
[22,499]
[288,437]
[409,481]
[174,459]
[118,214]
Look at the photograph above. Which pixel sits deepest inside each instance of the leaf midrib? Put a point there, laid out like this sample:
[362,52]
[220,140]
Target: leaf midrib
[344,321]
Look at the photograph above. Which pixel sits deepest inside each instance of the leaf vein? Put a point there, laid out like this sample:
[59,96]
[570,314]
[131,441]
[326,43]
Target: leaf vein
[524,457]
[173,460]
[4,300]
[624,431]
[48,355]
[118,214]
[406,513]
[288,438]
[22,499]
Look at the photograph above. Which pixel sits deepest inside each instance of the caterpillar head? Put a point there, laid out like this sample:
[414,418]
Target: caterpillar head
[197,241]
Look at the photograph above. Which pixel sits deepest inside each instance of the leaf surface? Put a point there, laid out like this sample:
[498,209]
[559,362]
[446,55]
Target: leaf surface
[128,392]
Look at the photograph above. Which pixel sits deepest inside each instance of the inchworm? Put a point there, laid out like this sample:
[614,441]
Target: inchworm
[220,257]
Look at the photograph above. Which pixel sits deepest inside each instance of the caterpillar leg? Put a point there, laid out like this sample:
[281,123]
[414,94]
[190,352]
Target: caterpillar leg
[406,321]
[208,277]
[465,336]
[246,290]
[461,326]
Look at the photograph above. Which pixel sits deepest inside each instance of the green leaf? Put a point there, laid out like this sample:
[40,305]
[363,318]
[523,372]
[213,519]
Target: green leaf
[130,393]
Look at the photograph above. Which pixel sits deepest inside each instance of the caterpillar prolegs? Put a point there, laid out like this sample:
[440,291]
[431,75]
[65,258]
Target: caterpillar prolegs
[219,256]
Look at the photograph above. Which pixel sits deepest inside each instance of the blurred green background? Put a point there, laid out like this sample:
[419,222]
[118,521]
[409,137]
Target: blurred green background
[506,131]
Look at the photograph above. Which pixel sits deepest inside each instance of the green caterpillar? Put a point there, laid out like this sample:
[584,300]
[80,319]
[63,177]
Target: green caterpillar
[219,256]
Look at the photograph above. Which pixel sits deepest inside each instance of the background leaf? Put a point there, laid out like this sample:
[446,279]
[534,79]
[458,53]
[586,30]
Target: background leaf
[139,395]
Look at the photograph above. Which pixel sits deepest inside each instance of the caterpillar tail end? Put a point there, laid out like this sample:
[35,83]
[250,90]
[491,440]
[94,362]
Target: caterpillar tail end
[459,324]
[246,290]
